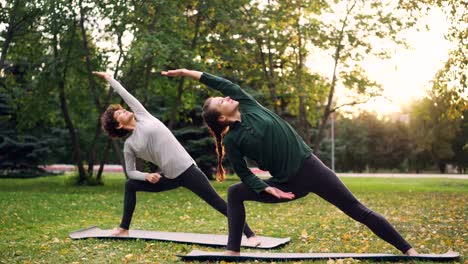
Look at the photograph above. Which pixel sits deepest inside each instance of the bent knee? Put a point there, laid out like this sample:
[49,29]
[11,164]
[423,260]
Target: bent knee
[130,185]
[235,191]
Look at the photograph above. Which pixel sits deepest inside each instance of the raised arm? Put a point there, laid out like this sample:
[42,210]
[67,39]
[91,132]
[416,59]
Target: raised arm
[226,87]
[129,99]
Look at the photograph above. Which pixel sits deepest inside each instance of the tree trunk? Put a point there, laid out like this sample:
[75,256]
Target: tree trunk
[177,103]
[74,137]
[327,111]
[5,46]
[92,86]
[272,83]
[303,123]
[92,150]
[9,34]
[103,160]
[442,167]
[180,87]
[116,146]
[270,78]
[106,101]
[73,134]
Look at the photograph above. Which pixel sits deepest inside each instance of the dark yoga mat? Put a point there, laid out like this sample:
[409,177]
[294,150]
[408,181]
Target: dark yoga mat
[192,238]
[199,255]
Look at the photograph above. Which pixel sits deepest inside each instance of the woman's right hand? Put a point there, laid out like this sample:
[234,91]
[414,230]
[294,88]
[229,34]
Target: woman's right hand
[103,75]
[279,193]
[153,177]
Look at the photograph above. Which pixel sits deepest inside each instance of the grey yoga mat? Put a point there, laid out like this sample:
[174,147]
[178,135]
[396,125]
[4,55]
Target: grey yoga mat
[180,237]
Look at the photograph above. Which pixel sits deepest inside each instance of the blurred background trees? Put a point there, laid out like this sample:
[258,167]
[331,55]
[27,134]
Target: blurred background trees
[50,103]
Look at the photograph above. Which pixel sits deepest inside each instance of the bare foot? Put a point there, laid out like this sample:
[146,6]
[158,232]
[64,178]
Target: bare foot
[411,252]
[253,241]
[119,232]
[231,253]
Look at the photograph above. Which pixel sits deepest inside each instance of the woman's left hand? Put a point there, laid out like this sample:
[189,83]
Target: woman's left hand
[196,75]
[279,193]
[175,73]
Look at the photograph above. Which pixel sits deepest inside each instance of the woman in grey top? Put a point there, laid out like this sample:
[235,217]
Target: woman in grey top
[149,139]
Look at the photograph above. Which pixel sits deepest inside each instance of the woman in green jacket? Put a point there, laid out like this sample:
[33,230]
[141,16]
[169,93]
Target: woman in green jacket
[244,128]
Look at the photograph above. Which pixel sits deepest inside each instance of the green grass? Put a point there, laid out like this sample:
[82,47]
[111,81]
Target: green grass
[36,216]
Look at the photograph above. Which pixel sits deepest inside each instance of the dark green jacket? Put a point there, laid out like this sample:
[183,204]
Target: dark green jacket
[261,136]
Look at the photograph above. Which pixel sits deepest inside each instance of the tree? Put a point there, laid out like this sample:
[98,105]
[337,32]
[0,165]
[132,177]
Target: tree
[453,77]
[353,138]
[21,154]
[460,145]
[196,140]
[351,40]
[19,15]
[266,55]
[432,129]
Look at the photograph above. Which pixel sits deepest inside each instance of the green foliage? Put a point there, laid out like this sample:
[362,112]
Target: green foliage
[20,153]
[352,140]
[198,143]
[433,129]
[366,143]
[263,46]
[451,80]
[460,145]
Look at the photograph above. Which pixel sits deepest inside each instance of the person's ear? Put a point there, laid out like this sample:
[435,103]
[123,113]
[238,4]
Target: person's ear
[119,126]
[222,119]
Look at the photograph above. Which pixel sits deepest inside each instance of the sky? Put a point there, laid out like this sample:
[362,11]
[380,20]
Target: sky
[407,74]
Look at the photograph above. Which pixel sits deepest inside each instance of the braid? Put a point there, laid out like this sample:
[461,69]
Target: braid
[217,131]
[220,172]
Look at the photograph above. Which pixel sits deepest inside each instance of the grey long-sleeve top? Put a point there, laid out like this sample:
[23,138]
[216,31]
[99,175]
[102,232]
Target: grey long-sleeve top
[152,141]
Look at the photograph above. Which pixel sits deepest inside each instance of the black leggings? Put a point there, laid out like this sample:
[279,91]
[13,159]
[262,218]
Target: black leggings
[193,179]
[313,176]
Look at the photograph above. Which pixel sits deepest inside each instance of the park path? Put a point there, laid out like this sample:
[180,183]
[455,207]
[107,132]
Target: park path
[403,175]
[265,174]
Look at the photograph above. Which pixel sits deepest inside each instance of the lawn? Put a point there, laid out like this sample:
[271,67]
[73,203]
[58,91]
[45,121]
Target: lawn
[36,216]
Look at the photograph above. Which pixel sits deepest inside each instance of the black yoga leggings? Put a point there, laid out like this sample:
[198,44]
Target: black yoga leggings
[193,179]
[313,176]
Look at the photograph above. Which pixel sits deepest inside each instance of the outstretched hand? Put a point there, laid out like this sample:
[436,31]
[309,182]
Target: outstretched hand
[174,73]
[196,75]
[279,193]
[103,75]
